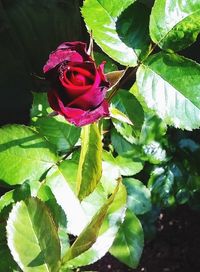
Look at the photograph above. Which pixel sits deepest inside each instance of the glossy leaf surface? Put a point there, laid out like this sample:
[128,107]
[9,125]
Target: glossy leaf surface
[24,154]
[107,232]
[170,85]
[55,128]
[123,40]
[90,163]
[66,198]
[129,242]
[31,229]
[139,197]
[175,24]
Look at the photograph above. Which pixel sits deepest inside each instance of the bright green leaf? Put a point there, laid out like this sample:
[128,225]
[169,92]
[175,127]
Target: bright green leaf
[55,128]
[31,229]
[170,85]
[126,166]
[107,232]
[66,198]
[58,132]
[175,24]
[120,30]
[139,197]
[129,242]
[24,154]
[90,163]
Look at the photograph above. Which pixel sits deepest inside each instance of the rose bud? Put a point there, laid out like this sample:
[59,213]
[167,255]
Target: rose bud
[78,87]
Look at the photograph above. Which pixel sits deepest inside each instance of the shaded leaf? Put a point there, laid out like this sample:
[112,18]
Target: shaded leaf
[128,104]
[139,197]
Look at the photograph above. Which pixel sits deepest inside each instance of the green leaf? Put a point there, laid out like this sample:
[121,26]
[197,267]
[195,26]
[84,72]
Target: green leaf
[66,198]
[21,192]
[120,30]
[139,197]
[110,65]
[129,242]
[90,163]
[170,85]
[40,106]
[161,184]
[22,151]
[153,129]
[92,203]
[103,234]
[119,143]
[175,25]
[89,235]
[31,229]
[126,166]
[6,261]
[45,194]
[55,128]
[128,104]
[58,132]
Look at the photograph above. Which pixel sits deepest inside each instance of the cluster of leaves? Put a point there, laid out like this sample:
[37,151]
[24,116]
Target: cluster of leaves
[72,199]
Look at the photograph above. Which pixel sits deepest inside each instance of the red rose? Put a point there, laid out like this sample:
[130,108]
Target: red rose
[78,87]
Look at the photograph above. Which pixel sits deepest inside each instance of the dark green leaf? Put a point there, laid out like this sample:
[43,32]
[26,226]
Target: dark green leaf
[110,66]
[128,104]
[175,24]
[119,143]
[31,229]
[139,197]
[176,99]
[161,184]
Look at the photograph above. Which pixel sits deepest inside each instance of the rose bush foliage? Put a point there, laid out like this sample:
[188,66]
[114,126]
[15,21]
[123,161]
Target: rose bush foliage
[78,86]
[71,197]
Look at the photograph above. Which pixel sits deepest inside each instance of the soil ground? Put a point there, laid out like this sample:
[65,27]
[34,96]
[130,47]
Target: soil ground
[175,248]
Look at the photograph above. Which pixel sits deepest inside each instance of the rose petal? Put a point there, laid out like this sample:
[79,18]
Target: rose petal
[95,95]
[82,118]
[59,56]
[68,51]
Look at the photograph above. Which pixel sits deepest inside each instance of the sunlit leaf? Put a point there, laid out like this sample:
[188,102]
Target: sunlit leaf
[90,163]
[175,24]
[175,99]
[129,242]
[24,154]
[31,229]
[120,30]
